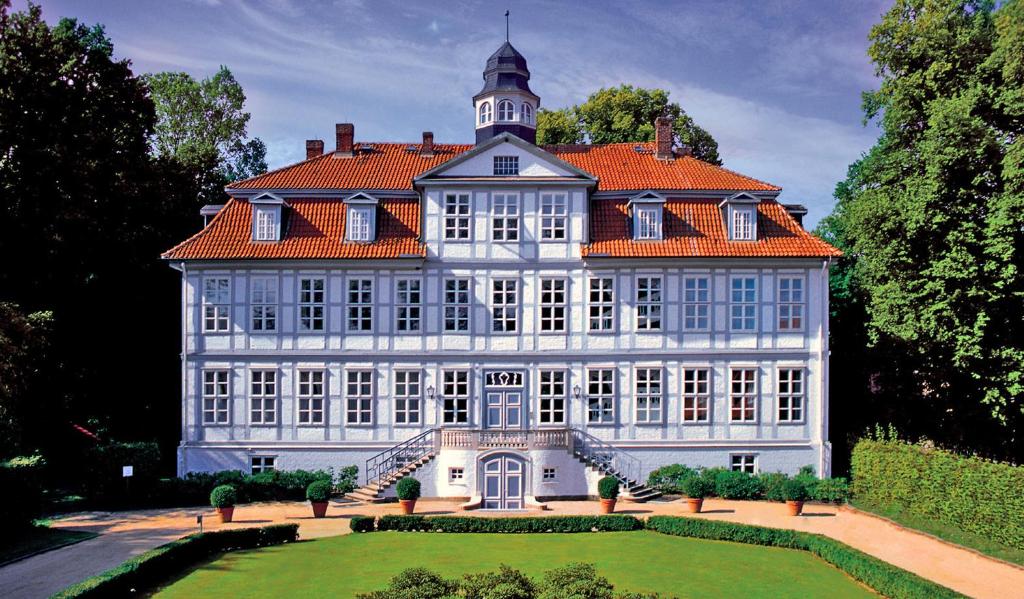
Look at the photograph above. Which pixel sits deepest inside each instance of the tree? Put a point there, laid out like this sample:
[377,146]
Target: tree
[933,216]
[624,114]
[203,121]
[24,366]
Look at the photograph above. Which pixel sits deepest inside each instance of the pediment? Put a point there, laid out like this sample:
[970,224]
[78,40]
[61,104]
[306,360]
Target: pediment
[534,162]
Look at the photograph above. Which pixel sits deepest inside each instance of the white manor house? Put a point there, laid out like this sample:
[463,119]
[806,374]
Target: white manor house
[504,321]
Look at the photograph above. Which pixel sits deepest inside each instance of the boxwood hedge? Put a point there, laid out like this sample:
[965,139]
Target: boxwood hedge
[523,524]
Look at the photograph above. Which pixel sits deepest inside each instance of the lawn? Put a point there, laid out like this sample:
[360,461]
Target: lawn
[641,561]
[38,539]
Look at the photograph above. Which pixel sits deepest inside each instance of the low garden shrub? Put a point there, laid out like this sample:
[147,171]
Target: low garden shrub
[143,572]
[223,496]
[831,490]
[408,489]
[885,578]
[361,523]
[794,489]
[733,484]
[21,491]
[608,487]
[523,524]
[771,485]
[670,479]
[698,487]
[318,491]
[282,485]
[741,485]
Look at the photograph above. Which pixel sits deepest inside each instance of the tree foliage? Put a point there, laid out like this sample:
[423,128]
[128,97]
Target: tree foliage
[24,365]
[624,114]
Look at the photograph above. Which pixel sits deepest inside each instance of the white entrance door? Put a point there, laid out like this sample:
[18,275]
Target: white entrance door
[503,483]
[504,409]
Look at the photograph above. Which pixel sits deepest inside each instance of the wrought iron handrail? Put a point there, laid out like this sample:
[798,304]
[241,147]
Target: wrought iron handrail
[395,458]
[616,462]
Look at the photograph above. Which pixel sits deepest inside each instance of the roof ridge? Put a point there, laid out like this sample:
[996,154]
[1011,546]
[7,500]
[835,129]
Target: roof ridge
[731,172]
[234,184]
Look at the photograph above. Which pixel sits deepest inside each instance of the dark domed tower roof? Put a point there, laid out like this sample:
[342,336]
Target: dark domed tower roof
[506,71]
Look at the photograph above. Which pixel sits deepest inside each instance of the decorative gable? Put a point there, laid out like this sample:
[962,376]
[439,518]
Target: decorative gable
[506,156]
[361,218]
[267,216]
[740,214]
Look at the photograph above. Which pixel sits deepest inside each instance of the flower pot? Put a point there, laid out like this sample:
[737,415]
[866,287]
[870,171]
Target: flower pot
[319,508]
[795,507]
[408,505]
[226,513]
[607,506]
[695,504]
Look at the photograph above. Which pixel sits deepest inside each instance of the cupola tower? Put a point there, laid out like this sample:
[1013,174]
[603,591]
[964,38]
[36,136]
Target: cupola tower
[506,103]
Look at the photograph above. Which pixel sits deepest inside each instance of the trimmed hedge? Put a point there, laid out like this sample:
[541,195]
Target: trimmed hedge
[970,493]
[361,523]
[883,577]
[150,568]
[524,524]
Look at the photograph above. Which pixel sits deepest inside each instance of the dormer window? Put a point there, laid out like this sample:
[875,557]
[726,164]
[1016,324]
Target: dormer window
[648,210]
[740,214]
[506,165]
[526,113]
[266,217]
[743,223]
[361,218]
[485,113]
[506,110]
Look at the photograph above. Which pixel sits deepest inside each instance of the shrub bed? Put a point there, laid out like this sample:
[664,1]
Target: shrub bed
[883,577]
[730,484]
[966,492]
[523,524]
[145,571]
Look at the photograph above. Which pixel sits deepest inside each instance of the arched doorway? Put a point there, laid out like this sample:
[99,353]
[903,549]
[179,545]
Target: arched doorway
[504,476]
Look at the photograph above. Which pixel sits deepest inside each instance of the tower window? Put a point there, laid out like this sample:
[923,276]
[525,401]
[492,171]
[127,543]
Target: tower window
[526,113]
[506,165]
[485,113]
[506,110]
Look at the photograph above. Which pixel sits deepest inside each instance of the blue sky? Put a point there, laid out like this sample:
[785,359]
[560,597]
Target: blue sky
[777,83]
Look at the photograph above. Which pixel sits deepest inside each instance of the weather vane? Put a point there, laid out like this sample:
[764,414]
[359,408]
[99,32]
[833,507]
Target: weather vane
[506,25]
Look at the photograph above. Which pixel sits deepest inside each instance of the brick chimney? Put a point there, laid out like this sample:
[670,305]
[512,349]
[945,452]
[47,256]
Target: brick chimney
[344,134]
[663,138]
[427,149]
[314,148]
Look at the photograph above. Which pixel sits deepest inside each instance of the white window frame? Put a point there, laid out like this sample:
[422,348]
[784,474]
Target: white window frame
[263,397]
[408,396]
[505,306]
[216,304]
[360,223]
[552,393]
[743,462]
[408,305]
[505,217]
[359,308]
[791,303]
[554,217]
[360,385]
[216,397]
[601,304]
[743,303]
[311,392]
[455,394]
[742,223]
[697,303]
[696,395]
[263,298]
[457,475]
[601,395]
[648,390]
[506,112]
[457,304]
[266,226]
[485,113]
[648,222]
[312,304]
[505,166]
[458,217]
[554,306]
[526,113]
[791,394]
[266,463]
[549,474]
[743,394]
[650,299]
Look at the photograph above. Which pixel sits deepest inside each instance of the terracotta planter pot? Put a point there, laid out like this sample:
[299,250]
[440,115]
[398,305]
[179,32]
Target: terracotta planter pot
[319,508]
[695,504]
[607,506]
[226,513]
[795,507]
[408,505]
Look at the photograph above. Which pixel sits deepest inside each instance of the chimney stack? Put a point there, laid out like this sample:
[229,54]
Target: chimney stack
[314,148]
[344,134]
[663,138]
[427,149]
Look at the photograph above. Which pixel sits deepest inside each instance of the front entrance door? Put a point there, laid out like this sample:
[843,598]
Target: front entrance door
[503,483]
[503,399]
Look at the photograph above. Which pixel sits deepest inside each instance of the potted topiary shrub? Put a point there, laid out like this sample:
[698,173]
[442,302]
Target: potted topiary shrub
[319,494]
[696,488]
[408,490]
[794,491]
[608,491]
[223,498]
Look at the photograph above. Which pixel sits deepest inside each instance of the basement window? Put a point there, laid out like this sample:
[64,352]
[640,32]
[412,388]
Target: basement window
[456,475]
[262,463]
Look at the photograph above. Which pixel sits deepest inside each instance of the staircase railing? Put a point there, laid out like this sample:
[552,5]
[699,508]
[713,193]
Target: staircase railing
[393,459]
[603,455]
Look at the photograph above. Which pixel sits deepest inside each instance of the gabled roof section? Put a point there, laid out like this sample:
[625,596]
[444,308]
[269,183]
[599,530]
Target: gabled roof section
[541,154]
[268,199]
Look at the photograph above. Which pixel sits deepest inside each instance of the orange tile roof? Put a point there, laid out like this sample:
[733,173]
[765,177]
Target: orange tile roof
[694,228]
[314,229]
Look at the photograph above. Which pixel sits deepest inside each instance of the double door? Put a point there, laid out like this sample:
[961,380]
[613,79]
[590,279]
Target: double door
[503,483]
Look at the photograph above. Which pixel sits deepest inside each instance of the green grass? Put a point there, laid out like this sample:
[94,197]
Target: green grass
[641,561]
[37,539]
[945,532]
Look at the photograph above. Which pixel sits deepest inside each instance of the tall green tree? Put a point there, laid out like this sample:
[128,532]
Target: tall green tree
[624,114]
[25,367]
[933,216]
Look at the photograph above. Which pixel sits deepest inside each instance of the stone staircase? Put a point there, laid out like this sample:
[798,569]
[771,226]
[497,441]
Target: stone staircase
[394,464]
[606,459]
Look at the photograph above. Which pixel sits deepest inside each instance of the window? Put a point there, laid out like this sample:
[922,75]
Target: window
[311,304]
[262,463]
[263,397]
[216,304]
[648,395]
[360,305]
[791,303]
[744,304]
[791,395]
[263,304]
[602,304]
[696,303]
[743,224]
[600,396]
[505,305]
[506,216]
[266,224]
[506,165]
[485,113]
[456,216]
[455,392]
[743,463]
[696,395]
[548,475]
[311,397]
[648,303]
[408,304]
[648,220]
[359,397]
[457,475]
[552,397]
[506,110]
[552,305]
[407,397]
[743,395]
[360,223]
[215,397]
[526,113]
[456,305]
[553,214]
